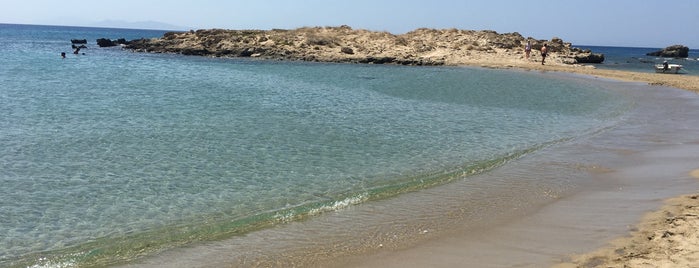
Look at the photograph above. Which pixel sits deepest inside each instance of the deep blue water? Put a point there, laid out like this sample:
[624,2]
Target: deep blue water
[110,155]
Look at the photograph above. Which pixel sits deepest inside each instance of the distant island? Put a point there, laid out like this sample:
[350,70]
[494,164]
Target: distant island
[343,44]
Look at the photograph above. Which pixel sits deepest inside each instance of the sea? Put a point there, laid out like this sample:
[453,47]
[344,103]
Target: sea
[109,157]
[635,59]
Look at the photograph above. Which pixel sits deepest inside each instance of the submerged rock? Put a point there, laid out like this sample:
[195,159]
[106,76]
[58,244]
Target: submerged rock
[104,42]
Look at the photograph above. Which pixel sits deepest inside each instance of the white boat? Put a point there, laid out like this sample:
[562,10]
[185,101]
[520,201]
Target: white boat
[668,68]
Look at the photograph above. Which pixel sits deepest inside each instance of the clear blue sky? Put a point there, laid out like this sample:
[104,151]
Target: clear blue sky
[642,23]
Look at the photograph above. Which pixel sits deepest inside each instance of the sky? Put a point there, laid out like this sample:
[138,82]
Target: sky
[636,23]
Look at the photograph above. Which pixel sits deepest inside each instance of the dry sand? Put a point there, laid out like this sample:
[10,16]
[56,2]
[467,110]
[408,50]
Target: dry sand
[668,237]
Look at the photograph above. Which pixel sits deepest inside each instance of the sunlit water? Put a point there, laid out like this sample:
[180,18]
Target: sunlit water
[113,155]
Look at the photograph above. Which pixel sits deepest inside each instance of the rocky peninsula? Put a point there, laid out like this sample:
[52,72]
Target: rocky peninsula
[344,44]
[423,46]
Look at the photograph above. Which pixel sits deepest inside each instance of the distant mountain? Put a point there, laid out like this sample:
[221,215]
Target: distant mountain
[150,25]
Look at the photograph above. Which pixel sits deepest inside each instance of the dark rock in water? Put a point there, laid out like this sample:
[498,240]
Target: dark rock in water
[78,41]
[194,52]
[377,60]
[590,58]
[104,42]
[676,51]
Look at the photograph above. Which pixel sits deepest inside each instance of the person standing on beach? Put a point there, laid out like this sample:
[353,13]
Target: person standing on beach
[544,51]
[528,49]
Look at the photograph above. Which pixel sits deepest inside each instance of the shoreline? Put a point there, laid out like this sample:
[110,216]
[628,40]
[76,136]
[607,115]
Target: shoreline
[634,250]
[651,226]
[665,236]
[625,182]
[668,235]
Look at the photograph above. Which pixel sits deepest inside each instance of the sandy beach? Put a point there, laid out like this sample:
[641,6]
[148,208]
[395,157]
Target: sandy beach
[621,228]
[667,236]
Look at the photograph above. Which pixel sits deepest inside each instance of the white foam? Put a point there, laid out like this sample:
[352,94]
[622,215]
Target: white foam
[337,205]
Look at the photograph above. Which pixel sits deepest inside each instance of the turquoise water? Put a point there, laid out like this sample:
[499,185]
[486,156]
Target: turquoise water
[112,155]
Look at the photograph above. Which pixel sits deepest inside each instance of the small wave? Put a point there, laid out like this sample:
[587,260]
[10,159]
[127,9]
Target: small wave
[62,262]
[50,264]
[111,250]
[337,205]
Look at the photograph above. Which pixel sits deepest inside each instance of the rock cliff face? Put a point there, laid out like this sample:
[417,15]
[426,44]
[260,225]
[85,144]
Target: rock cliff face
[344,44]
[676,51]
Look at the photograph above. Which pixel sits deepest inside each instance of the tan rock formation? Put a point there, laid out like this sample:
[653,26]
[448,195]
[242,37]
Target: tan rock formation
[344,44]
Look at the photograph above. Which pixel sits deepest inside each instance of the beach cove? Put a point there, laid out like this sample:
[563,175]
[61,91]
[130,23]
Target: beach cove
[628,177]
[164,167]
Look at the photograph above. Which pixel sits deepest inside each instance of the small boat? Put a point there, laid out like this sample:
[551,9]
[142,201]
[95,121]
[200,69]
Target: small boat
[668,68]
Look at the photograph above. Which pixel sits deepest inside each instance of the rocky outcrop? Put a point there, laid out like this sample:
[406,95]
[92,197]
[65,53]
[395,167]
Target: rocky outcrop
[590,58]
[104,42]
[78,41]
[676,51]
[344,44]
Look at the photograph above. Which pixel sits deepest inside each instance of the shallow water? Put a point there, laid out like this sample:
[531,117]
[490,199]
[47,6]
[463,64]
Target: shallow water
[111,155]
